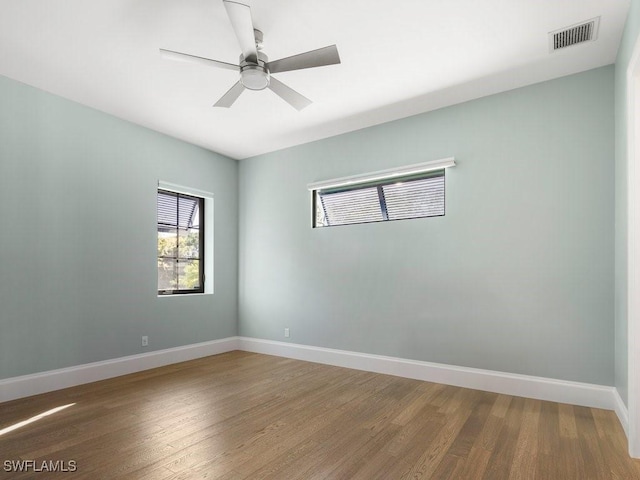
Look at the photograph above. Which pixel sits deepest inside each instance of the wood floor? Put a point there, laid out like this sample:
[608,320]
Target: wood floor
[247,416]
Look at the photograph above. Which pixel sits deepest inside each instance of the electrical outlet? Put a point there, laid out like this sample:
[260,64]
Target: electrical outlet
[145,341]
[286,333]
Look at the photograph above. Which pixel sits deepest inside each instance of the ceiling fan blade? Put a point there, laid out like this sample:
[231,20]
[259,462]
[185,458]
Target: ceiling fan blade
[314,58]
[288,94]
[231,96]
[185,57]
[240,17]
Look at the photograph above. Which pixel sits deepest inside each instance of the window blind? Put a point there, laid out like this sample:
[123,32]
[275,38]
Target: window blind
[177,210]
[352,206]
[419,198]
[400,198]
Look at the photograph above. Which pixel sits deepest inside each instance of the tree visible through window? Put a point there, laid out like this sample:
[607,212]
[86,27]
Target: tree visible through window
[180,243]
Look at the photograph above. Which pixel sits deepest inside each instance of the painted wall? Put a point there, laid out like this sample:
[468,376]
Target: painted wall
[517,277]
[77,242]
[629,38]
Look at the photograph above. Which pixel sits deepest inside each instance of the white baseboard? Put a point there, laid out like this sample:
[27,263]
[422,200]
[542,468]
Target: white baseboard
[562,391]
[27,385]
[621,411]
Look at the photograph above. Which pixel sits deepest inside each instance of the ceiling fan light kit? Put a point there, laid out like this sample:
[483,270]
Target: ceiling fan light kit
[255,68]
[254,76]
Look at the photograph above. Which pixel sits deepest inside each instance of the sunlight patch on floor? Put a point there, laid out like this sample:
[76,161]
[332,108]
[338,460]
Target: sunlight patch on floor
[35,418]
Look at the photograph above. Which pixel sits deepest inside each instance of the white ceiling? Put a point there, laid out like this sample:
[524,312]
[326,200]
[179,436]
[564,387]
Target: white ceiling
[398,59]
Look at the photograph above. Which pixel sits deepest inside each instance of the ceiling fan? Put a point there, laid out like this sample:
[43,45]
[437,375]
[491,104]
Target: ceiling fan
[255,68]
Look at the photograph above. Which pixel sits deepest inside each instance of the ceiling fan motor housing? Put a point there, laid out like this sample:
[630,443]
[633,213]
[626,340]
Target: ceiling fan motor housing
[252,76]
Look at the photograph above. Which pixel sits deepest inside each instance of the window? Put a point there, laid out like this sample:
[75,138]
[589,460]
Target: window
[416,191]
[180,243]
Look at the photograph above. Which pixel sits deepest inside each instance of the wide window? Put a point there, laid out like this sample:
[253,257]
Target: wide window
[416,192]
[180,243]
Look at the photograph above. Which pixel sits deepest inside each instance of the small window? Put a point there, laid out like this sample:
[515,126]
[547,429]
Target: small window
[180,243]
[397,198]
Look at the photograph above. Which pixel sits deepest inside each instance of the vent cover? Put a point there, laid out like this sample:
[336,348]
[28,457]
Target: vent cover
[575,34]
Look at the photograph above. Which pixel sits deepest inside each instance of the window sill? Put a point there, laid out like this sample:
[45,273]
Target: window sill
[180,295]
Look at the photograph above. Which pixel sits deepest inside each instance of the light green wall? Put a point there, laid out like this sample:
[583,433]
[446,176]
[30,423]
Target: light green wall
[517,277]
[629,39]
[77,242]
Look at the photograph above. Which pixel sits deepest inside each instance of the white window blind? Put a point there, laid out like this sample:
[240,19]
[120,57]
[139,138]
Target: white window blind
[418,191]
[177,211]
[419,198]
[352,206]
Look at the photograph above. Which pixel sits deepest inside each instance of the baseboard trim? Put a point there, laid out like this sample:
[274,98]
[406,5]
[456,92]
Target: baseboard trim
[621,411]
[34,384]
[562,391]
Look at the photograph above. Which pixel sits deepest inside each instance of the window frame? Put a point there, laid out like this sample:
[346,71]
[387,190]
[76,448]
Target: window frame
[201,201]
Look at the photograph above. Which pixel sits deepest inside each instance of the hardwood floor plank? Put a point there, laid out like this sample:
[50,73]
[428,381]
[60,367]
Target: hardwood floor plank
[358,458]
[243,415]
[476,463]
[433,454]
[416,434]
[419,398]
[592,457]
[523,465]
[470,431]
[499,465]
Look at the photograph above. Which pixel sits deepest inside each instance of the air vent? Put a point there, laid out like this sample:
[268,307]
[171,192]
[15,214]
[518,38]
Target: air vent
[580,33]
